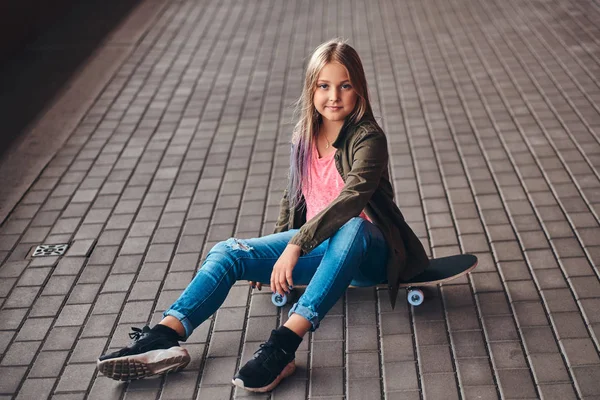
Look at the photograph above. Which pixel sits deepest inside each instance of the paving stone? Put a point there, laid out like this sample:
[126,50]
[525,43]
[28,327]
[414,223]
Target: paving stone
[434,359]
[362,337]
[22,297]
[87,350]
[105,388]
[152,272]
[559,300]
[5,339]
[94,274]
[181,385]
[166,299]
[135,245]
[220,392]
[73,315]
[12,269]
[258,328]
[83,294]
[364,389]
[76,377]
[393,324]
[480,392]
[327,354]
[463,319]
[225,344]
[326,382]
[20,353]
[233,319]
[578,266]
[516,383]
[218,371]
[557,391]
[103,255]
[397,348]
[178,280]
[48,364]
[34,329]
[586,380]
[440,386]
[522,291]
[88,231]
[80,248]
[11,378]
[579,352]
[362,365]
[548,367]
[591,310]
[69,266]
[506,355]
[12,318]
[400,376]
[6,286]
[118,283]
[36,388]
[61,338]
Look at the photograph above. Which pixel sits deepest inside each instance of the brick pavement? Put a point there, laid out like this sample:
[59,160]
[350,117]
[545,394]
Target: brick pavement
[492,111]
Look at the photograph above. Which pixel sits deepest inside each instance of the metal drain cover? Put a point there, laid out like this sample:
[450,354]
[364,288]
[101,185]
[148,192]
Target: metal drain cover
[47,250]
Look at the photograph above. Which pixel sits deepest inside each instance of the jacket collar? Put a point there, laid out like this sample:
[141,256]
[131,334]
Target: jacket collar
[342,136]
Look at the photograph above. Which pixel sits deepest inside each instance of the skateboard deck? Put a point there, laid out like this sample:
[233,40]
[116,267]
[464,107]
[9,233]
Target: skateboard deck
[442,270]
[439,271]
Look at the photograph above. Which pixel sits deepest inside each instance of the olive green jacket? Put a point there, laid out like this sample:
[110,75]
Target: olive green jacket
[361,158]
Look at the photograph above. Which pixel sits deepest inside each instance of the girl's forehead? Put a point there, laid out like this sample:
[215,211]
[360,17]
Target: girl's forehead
[333,72]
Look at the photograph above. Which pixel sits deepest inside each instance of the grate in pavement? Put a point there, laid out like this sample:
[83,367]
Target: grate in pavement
[46,250]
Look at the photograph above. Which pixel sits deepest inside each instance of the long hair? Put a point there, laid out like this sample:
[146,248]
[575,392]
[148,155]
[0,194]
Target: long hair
[335,50]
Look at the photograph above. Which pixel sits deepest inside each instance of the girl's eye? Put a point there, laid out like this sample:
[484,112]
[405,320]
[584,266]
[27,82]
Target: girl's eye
[346,86]
[323,85]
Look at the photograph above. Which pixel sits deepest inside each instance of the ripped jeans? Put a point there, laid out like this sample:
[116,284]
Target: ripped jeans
[356,254]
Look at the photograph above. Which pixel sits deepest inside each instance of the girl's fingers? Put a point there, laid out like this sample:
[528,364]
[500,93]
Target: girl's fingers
[288,277]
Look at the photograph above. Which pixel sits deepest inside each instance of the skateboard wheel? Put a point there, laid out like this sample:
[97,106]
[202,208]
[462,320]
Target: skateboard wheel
[279,300]
[415,297]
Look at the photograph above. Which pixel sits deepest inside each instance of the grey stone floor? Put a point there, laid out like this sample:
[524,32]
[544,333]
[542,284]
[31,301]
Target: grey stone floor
[492,110]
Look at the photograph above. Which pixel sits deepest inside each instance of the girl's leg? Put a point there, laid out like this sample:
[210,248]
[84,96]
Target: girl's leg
[156,351]
[226,263]
[357,253]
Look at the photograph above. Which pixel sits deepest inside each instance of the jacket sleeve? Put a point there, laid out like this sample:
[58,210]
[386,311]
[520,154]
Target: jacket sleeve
[369,161]
[283,220]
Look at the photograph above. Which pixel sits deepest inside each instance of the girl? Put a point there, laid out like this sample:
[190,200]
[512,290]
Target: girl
[338,225]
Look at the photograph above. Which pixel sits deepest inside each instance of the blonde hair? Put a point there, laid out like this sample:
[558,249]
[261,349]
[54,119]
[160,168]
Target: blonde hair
[335,50]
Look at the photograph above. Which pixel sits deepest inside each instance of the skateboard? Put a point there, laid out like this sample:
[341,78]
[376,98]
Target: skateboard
[440,270]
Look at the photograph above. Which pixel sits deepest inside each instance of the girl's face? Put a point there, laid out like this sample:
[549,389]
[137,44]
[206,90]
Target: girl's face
[334,96]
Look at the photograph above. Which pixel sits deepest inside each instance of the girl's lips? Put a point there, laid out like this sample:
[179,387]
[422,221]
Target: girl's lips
[333,108]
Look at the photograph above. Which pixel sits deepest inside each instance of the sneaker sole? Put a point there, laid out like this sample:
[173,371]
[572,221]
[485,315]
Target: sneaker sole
[143,365]
[287,371]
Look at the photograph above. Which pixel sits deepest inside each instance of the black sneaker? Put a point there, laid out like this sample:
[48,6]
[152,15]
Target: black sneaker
[266,369]
[149,353]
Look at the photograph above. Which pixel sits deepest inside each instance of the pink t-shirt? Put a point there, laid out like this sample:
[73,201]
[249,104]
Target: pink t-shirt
[325,184]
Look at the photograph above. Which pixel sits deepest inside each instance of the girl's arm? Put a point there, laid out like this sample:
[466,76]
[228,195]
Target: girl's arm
[370,160]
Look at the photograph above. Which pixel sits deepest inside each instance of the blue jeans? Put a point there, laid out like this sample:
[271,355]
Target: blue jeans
[356,254]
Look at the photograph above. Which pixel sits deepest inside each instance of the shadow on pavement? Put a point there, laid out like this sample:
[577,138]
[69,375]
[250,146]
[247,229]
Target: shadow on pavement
[34,74]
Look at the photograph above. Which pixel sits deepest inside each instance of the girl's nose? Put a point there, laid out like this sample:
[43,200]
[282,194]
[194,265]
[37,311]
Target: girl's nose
[334,95]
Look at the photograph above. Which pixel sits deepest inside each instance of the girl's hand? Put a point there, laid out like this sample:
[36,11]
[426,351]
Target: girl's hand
[281,277]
